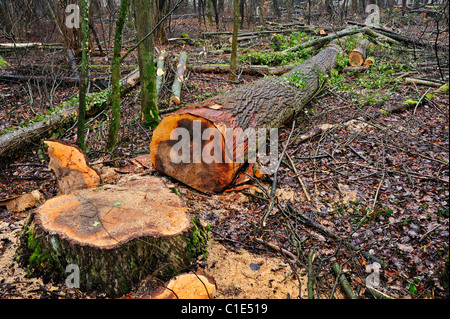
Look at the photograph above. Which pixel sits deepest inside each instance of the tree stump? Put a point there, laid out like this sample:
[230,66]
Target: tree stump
[115,234]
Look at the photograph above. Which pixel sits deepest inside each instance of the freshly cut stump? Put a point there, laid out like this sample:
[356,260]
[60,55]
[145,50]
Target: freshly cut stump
[115,234]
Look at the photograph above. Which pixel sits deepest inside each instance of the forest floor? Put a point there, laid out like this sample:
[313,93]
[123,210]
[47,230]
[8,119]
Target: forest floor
[382,183]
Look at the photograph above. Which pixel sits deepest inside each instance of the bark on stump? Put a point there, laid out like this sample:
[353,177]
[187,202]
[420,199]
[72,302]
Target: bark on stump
[115,234]
[267,103]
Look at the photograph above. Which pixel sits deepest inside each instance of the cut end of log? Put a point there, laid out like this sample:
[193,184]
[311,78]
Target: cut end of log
[23,202]
[112,215]
[355,58]
[71,167]
[175,154]
[187,286]
[175,100]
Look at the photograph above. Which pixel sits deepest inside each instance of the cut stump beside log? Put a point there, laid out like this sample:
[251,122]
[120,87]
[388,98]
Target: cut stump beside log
[115,234]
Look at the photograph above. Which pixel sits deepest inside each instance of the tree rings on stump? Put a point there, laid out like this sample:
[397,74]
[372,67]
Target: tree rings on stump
[114,234]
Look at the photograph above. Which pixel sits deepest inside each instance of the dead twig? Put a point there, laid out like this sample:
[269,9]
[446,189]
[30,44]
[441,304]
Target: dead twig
[298,177]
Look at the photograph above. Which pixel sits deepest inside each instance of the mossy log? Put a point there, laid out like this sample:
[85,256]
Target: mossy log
[266,103]
[115,234]
[251,69]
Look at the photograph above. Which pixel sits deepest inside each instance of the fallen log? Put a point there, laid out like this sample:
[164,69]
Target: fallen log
[267,103]
[160,71]
[179,79]
[14,47]
[16,138]
[114,235]
[357,56]
[68,81]
[398,37]
[326,39]
[251,69]
[422,82]
[379,38]
[354,69]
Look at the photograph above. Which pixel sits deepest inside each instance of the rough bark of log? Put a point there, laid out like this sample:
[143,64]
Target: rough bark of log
[116,235]
[357,56]
[267,103]
[13,139]
[179,79]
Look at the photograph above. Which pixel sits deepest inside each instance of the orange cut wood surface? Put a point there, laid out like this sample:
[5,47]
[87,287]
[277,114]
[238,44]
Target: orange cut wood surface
[195,172]
[71,167]
[187,286]
[111,215]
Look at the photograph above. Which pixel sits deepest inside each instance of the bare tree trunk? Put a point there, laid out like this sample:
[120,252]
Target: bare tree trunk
[114,125]
[242,12]
[84,74]
[276,8]
[289,9]
[233,58]
[160,9]
[149,98]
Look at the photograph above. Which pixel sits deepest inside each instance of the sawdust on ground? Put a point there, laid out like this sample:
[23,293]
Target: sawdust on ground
[270,278]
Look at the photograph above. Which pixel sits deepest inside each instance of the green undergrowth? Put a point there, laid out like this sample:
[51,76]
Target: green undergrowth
[378,82]
[277,57]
